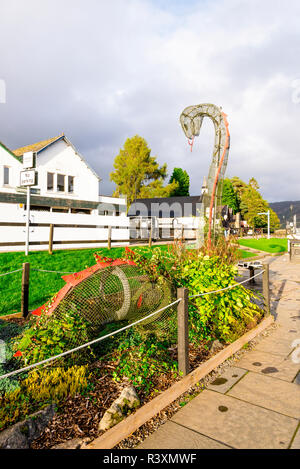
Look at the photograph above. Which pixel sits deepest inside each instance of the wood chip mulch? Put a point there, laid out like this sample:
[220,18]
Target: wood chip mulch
[79,417]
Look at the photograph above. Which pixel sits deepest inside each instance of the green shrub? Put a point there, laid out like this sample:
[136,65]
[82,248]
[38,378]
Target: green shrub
[50,335]
[217,315]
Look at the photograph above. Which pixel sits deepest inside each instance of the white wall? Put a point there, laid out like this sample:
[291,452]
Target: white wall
[6,159]
[10,213]
[189,225]
[60,158]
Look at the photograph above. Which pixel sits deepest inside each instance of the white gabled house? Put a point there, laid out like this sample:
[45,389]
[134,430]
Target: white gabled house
[65,181]
[62,171]
[66,195]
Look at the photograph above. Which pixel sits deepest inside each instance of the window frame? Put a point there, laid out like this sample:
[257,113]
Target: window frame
[73,184]
[4,174]
[50,173]
[57,183]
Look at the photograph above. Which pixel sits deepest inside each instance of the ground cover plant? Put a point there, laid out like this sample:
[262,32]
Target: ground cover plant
[273,245]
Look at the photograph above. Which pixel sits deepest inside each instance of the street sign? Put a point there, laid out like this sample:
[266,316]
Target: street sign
[28,178]
[28,160]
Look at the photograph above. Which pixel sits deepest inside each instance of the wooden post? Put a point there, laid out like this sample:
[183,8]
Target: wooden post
[251,270]
[25,289]
[182,235]
[150,236]
[109,238]
[183,331]
[266,288]
[50,250]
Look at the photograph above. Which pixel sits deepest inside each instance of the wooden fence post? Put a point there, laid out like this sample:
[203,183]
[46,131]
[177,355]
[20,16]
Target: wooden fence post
[25,289]
[182,233]
[266,288]
[251,270]
[50,250]
[109,238]
[183,331]
[150,236]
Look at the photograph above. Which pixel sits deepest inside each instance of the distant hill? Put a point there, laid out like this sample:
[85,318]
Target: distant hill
[284,212]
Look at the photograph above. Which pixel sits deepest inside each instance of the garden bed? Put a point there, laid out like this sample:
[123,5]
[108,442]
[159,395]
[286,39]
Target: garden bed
[84,387]
[79,417]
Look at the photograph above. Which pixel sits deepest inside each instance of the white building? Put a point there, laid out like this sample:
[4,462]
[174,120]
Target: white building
[65,181]
[67,190]
[10,167]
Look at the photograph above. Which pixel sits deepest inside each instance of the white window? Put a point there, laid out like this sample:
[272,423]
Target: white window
[60,183]
[6,175]
[70,184]
[50,181]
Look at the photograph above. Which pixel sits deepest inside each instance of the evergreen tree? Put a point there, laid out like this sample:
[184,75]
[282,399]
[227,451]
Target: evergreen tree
[252,203]
[137,174]
[229,196]
[182,178]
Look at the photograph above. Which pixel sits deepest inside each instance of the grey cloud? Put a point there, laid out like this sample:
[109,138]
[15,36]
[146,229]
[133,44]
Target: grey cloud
[102,72]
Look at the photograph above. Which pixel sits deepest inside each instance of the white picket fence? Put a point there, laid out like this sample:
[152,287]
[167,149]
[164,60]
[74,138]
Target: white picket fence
[70,230]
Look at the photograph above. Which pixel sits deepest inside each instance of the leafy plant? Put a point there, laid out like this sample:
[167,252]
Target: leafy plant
[142,358]
[217,315]
[50,335]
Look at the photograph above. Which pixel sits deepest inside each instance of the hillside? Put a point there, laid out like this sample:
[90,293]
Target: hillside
[284,212]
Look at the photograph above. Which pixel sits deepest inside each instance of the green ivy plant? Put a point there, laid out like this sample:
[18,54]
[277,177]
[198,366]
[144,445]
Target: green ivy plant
[50,335]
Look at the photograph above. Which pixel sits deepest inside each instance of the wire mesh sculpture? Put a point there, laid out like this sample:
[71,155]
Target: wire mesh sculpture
[191,121]
[110,291]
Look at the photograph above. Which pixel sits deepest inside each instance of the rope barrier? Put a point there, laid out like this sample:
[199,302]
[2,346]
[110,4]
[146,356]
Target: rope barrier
[51,271]
[34,365]
[228,288]
[100,339]
[12,272]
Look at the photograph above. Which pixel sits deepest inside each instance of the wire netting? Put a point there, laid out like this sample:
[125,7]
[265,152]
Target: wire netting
[10,292]
[100,306]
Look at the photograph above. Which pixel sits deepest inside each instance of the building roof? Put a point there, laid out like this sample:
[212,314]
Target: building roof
[164,207]
[9,151]
[40,146]
[36,147]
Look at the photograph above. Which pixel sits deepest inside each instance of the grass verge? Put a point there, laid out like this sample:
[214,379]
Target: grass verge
[44,285]
[272,245]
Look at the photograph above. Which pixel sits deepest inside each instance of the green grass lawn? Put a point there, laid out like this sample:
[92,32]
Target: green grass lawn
[244,254]
[272,245]
[44,285]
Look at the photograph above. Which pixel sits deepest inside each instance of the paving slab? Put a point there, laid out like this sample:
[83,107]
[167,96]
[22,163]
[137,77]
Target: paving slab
[270,393]
[174,436]
[283,334]
[296,441]
[297,379]
[269,364]
[236,423]
[227,379]
[276,346]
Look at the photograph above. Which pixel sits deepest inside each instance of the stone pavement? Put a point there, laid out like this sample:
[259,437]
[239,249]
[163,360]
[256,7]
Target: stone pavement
[256,403]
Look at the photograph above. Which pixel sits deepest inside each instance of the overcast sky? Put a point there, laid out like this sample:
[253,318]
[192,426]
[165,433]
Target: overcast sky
[104,71]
